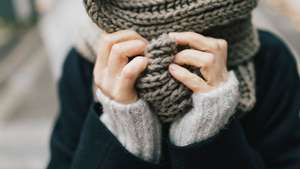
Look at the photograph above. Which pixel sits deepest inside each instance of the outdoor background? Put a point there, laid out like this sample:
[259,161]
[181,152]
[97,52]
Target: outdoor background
[35,36]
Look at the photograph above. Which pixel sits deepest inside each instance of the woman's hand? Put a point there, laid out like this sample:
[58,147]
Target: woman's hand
[216,92]
[112,72]
[128,118]
[209,54]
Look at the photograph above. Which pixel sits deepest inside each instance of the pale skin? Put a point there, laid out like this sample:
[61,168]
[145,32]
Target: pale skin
[115,76]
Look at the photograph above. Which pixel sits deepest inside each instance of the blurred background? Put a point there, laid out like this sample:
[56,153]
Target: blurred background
[35,36]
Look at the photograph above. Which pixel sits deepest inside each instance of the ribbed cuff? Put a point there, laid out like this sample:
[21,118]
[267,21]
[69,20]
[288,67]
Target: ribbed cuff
[135,126]
[211,112]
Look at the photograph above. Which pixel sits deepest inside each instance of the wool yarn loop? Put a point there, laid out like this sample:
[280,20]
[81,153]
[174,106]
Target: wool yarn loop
[153,19]
[158,87]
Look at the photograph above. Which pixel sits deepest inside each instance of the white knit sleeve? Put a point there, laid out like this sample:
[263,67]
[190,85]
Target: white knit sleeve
[134,125]
[209,115]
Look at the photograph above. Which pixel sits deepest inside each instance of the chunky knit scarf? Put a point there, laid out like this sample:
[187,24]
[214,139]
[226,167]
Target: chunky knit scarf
[226,19]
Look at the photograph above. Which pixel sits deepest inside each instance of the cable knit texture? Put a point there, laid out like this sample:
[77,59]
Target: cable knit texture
[167,97]
[137,129]
[225,19]
[211,112]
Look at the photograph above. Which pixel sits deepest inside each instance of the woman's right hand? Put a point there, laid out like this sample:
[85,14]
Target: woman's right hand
[113,74]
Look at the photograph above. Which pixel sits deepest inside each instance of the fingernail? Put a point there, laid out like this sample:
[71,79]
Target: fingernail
[150,60]
[172,67]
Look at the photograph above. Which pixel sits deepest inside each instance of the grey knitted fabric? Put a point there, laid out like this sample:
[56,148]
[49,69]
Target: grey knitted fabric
[210,114]
[226,19]
[135,126]
[167,97]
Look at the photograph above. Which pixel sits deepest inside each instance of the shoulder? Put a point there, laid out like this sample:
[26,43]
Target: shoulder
[277,88]
[277,85]
[75,83]
[275,64]
[274,53]
[77,69]
[75,66]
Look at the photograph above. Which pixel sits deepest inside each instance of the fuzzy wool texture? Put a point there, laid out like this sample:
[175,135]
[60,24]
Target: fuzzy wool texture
[224,19]
[211,112]
[167,97]
[134,125]
[139,130]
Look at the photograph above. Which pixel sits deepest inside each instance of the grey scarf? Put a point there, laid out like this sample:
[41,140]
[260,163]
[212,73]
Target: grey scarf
[226,19]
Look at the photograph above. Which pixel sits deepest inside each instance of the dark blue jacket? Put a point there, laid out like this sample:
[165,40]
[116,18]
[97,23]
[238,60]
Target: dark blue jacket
[266,138]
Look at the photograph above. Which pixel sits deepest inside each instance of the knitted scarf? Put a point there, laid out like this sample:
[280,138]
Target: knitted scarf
[226,19]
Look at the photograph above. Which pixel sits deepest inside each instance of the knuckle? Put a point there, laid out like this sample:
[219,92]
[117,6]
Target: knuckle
[107,39]
[187,52]
[95,72]
[199,88]
[131,33]
[197,84]
[195,79]
[219,44]
[97,77]
[222,44]
[179,56]
[215,45]
[142,43]
[211,59]
[97,81]
[128,74]
[116,50]
[99,56]
[190,33]
[183,54]
[115,93]
[138,45]
[196,87]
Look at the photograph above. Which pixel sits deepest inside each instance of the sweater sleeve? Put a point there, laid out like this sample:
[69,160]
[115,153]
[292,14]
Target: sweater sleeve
[79,139]
[268,137]
[135,126]
[210,113]
[204,137]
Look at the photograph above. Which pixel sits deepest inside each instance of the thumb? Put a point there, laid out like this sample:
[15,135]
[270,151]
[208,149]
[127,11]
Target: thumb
[131,72]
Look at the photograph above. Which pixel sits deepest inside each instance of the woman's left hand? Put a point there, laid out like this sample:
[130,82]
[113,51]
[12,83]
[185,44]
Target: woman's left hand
[206,53]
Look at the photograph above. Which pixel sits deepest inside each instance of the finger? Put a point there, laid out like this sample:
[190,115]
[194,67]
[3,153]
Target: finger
[190,80]
[198,41]
[194,57]
[108,40]
[121,51]
[132,71]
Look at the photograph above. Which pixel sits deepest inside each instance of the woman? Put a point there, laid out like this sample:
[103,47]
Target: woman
[154,59]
